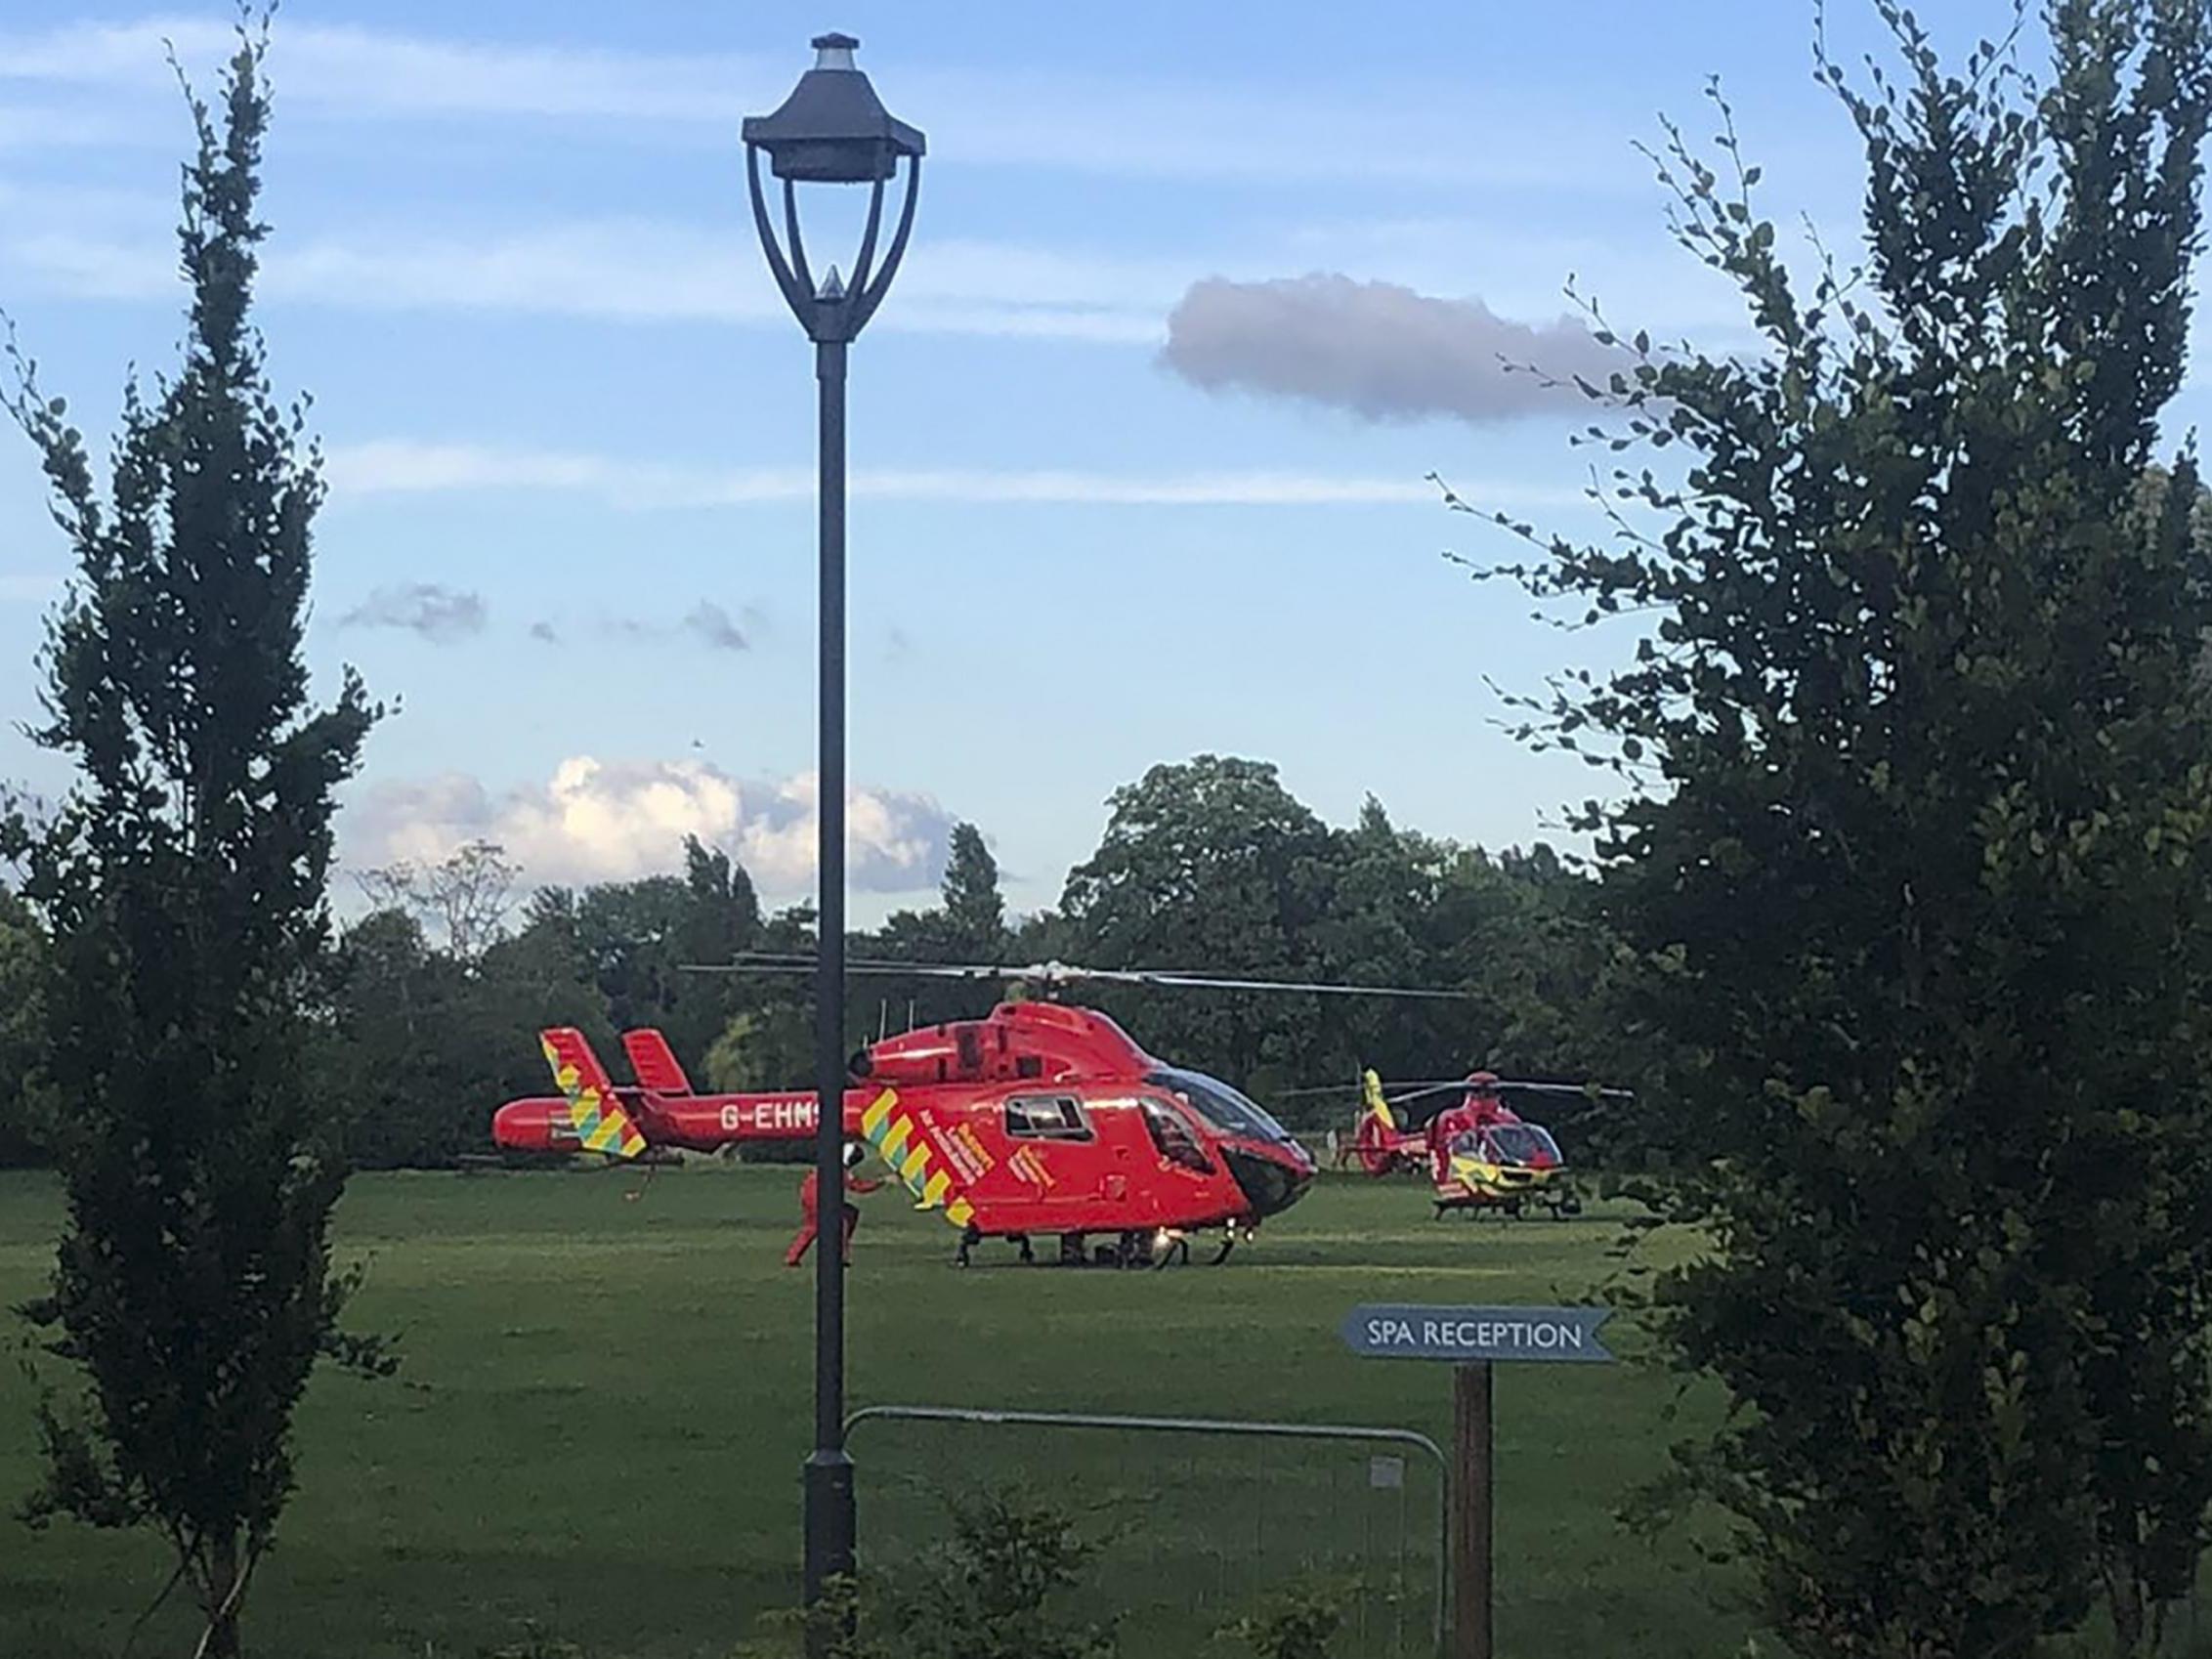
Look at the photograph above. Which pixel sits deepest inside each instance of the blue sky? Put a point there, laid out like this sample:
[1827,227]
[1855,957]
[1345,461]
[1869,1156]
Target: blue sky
[511,261]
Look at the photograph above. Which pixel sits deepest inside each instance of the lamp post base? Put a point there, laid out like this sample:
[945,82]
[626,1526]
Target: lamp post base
[829,1488]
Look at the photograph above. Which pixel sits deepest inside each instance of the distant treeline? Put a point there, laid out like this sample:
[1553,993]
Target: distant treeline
[429,1003]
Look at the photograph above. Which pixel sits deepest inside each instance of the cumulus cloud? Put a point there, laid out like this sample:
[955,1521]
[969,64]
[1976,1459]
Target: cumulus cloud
[443,615]
[619,820]
[1381,351]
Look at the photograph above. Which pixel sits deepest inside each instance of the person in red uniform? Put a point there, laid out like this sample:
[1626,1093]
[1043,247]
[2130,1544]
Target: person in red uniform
[809,1204]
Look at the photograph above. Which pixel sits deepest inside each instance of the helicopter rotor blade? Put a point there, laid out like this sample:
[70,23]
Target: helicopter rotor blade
[795,961]
[1208,982]
[1564,1088]
[1417,1089]
[1058,973]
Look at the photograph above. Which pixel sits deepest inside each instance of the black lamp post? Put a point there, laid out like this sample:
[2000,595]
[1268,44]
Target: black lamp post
[831,130]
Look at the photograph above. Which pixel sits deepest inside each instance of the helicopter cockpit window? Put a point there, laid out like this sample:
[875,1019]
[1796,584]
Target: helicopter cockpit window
[1046,1117]
[1171,1137]
[1525,1145]
[1220,1104]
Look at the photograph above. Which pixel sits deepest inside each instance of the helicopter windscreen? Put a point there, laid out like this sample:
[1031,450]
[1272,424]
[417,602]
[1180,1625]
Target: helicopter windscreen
[1526,1145]
[1220,1105]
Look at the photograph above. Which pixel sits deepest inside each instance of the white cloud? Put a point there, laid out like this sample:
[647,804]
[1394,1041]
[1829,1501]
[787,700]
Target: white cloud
[1017,117]
[365,71]
[30,587]
[399,467]
[619,820]
[627,271]
[49,126]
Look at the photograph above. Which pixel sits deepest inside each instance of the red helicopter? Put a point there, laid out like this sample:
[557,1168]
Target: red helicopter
[1478,1153]
[1039,1119]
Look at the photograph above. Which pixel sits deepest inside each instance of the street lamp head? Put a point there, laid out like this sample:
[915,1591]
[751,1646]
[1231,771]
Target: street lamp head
[832,130]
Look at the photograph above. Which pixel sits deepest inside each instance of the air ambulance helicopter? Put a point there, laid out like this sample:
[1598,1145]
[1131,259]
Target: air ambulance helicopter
[1039,1119]
[1478,1153]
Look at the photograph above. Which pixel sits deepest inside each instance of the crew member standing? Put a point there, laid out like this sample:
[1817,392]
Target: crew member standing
[809,1204]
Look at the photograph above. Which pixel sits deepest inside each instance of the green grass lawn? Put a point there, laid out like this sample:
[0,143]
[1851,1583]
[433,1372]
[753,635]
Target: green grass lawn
[604,1408]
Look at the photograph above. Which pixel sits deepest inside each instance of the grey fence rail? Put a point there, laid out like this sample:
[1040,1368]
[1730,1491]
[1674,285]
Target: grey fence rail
[1214,1428]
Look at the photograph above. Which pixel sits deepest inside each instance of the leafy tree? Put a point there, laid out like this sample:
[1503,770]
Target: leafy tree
[975,914]
[763,1048]
[1209,867]
[1214,867]
[630,932]
[720,918]
[184,884]
[27,1101]
[1917,898]
[969,925]
[425,1047]
[465,893]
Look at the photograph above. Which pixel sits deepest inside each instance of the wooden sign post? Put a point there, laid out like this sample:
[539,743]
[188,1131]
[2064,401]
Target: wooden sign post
[1472,1339]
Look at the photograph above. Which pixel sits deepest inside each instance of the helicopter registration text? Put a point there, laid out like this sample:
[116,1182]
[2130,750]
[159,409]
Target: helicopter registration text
[795,1116]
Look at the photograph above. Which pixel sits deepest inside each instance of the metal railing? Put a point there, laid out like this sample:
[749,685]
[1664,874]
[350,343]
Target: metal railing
[1216,1427]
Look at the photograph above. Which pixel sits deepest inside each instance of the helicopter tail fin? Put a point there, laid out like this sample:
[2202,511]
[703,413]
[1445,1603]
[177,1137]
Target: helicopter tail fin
[654,1062]
[601,1123]
[917,1156]
[1370,1091]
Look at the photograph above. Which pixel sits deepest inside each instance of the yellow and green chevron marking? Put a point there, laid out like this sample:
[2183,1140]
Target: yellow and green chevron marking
[600,1125]
[892,1132]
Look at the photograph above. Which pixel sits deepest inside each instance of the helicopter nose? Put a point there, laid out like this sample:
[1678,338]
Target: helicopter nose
[1270,1186]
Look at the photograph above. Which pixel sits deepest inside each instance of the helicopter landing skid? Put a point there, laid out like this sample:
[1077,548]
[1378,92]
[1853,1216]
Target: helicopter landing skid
[1129,1250]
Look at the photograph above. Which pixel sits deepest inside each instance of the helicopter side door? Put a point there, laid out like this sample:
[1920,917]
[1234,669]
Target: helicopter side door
[1151,1168]
[1052,1144]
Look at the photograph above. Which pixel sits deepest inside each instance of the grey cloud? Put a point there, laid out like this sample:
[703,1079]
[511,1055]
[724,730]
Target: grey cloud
[1381,351]
[546,634]
[439,615]
[706,621]
[711,625]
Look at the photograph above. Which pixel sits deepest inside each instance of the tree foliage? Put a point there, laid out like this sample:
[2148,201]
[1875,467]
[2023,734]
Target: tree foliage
[1212,866]
[1917,892]
[26,1096]
[975,913]
[183,884]
[1300,1623]
[465,893]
